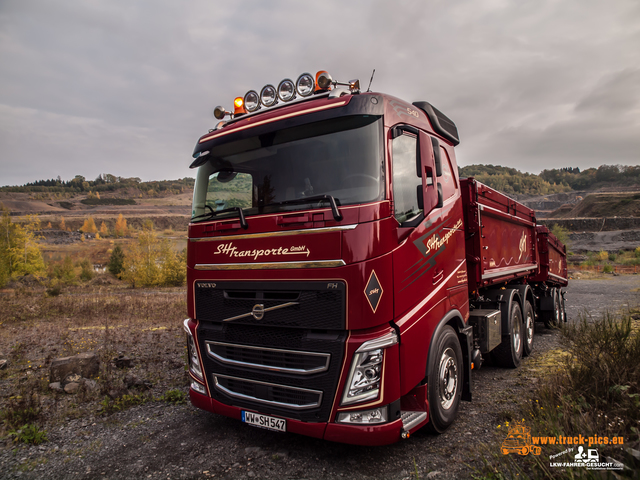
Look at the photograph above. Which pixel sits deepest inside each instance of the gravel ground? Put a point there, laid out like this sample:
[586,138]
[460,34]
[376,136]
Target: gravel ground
[157,440]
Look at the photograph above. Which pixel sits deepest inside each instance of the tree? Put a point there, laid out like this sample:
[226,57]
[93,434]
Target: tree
[62,226]
[89,226]
[141,264]
[104,230]
[19,250]
[121,229]
[116,261]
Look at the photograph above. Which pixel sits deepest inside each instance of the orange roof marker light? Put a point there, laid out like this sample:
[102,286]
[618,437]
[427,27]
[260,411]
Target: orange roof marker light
[238,106]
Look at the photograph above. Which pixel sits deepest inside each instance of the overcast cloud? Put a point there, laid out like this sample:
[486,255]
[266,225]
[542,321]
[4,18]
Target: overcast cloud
[121,87]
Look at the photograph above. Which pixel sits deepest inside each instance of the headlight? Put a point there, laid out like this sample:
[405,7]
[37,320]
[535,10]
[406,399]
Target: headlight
[365,375]
[286,90]
[268,95]
[364,417]
[192,352]
[305,85]
[251,101]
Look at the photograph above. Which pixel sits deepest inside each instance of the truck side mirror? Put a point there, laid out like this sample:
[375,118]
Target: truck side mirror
[420,197]
[428,172]
[436,156]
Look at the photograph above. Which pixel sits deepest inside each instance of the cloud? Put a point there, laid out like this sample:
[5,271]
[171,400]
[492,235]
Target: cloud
[530,85]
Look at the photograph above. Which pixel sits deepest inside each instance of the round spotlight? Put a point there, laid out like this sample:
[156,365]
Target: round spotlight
[286,90]
[251,101]
[324,80]
[219,112]
[305,85]
[268,95]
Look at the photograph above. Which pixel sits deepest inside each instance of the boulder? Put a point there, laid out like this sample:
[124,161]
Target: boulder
[3,364]
[72,387]
[122,361]
[84,364]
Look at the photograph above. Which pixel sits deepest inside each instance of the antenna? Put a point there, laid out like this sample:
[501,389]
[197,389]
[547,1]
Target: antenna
[370,81]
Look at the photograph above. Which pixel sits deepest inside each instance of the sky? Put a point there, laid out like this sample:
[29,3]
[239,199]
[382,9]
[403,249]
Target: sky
[127,87]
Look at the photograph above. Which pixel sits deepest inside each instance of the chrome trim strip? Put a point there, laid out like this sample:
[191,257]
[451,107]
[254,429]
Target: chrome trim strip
[508,272]
[299,371]
[264,310]
[242,396]
[273,265]
[553,275]
[274,234]
[385,341]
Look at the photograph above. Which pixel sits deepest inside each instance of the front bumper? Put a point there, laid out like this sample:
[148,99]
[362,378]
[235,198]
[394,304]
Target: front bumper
[368,435]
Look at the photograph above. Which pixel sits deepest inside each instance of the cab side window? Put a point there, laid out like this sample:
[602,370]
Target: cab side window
[405,179]
[448,179]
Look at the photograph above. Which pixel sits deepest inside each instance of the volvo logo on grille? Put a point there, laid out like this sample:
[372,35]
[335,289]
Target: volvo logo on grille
[258,311]
[206,285]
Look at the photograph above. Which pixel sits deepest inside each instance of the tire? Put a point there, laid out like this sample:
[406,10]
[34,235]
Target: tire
[509,353]
[552,318]
[528,326]
[445,380]
[563,312]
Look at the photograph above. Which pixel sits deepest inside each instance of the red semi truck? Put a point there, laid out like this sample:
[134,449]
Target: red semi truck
[343,281]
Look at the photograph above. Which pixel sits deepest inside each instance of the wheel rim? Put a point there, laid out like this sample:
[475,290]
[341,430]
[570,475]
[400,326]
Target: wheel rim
[517,340]
[556,305]
[529,329]
[447,378]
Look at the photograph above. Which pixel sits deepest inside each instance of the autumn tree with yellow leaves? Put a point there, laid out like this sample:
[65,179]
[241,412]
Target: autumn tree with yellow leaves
[104,230]
[19,250]
[89,226]
[121,229]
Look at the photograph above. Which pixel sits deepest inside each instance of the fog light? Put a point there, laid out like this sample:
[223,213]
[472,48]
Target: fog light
[305,85]
[364,417]
[251,101]
[198,387]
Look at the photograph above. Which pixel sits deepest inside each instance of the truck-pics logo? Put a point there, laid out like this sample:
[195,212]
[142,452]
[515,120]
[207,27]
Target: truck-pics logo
[519,441]
[232,251]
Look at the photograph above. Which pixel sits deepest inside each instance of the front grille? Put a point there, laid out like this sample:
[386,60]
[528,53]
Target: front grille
[263,358]
[315,305]
[268,393]
[267,386]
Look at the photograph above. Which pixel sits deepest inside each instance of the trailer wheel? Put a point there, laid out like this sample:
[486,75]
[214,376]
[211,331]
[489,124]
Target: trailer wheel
[529,329]
[509,352]
[552,318]
[563,312]
[446,377]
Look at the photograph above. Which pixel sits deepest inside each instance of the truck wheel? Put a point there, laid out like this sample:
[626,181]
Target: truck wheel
[557,308]
[509,352]
[445,381]
[529,329]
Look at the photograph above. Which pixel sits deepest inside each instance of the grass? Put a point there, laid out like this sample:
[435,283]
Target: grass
[591,388]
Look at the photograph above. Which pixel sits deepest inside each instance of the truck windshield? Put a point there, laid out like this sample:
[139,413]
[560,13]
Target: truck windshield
[341,157]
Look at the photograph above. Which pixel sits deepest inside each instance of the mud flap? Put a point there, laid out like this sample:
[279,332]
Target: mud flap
[466,342]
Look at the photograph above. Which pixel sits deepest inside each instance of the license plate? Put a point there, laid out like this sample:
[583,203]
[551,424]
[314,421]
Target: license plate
[264,421]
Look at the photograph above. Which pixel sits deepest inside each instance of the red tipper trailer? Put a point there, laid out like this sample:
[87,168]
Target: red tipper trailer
[343,281]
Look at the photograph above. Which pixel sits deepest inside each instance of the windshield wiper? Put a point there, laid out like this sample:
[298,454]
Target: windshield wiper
[212,213]
[332,201]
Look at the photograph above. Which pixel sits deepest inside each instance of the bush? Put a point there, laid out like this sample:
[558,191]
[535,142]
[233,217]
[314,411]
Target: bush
[87,272]
[29,433]
[612,257]
[602,255]
[607,269]
[637,252]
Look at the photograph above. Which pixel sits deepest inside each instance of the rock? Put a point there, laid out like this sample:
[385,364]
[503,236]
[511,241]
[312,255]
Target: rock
[56,387]
[122,361]
[72,387]
[132,381]
[84,364]
[90,385]
[3,364]
[433,474]
[72,378]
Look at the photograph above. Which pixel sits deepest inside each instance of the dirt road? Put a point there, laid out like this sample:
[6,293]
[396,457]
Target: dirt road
[163,441]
